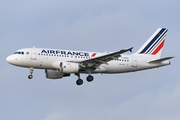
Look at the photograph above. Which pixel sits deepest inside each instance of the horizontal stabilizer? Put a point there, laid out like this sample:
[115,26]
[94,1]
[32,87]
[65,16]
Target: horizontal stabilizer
[160,60]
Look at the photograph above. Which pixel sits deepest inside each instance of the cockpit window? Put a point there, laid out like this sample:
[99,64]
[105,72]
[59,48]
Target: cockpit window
[19,52]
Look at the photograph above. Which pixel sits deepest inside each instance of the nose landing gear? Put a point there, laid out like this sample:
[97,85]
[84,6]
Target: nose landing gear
[31,72]
[30,76]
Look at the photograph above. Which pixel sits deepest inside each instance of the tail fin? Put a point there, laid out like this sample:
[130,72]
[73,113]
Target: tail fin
[154,44]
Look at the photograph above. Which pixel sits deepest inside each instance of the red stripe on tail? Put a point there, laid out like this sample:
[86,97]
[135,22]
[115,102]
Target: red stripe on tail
[158,48]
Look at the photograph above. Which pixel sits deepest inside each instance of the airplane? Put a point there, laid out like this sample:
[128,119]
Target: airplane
[62,63]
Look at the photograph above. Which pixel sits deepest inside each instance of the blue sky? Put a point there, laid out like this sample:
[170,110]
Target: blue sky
[91,25]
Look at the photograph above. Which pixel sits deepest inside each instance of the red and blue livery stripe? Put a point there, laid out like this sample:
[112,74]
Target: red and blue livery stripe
[156,44]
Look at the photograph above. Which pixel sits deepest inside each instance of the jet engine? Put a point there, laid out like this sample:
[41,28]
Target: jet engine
[55,74]
[66,67]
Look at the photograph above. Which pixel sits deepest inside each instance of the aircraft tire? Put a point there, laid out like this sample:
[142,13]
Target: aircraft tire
[30,76]
[79,82]
[90,78]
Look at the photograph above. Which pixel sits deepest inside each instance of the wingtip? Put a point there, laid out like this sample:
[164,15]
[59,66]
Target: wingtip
[130,49]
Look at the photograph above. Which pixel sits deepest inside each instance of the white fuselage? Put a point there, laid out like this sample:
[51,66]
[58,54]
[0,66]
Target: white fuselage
[40,58]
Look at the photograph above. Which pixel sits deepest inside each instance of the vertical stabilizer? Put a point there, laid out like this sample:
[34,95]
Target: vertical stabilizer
[154,44]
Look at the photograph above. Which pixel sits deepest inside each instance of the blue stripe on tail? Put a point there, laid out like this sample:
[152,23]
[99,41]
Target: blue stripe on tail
[152,41]
[161,38]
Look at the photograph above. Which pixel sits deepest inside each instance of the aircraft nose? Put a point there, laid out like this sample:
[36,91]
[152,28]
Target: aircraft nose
[9,59]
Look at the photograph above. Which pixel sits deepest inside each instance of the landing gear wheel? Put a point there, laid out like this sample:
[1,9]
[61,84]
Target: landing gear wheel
[31,72]
[79,82]
[30,76]
[90,78]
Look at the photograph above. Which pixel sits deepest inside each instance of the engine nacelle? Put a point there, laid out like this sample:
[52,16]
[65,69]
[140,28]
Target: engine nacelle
[66,67]
[55,74]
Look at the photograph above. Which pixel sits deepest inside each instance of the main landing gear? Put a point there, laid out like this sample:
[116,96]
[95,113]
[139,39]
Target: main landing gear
[90,78]
[80,81]
[31,72]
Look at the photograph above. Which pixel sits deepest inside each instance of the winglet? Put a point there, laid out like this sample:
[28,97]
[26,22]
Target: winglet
[130,49]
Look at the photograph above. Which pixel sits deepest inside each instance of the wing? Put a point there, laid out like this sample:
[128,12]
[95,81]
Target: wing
[95,62]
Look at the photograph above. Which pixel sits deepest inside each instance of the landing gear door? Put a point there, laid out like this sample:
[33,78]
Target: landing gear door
[33,54]
[134,62]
